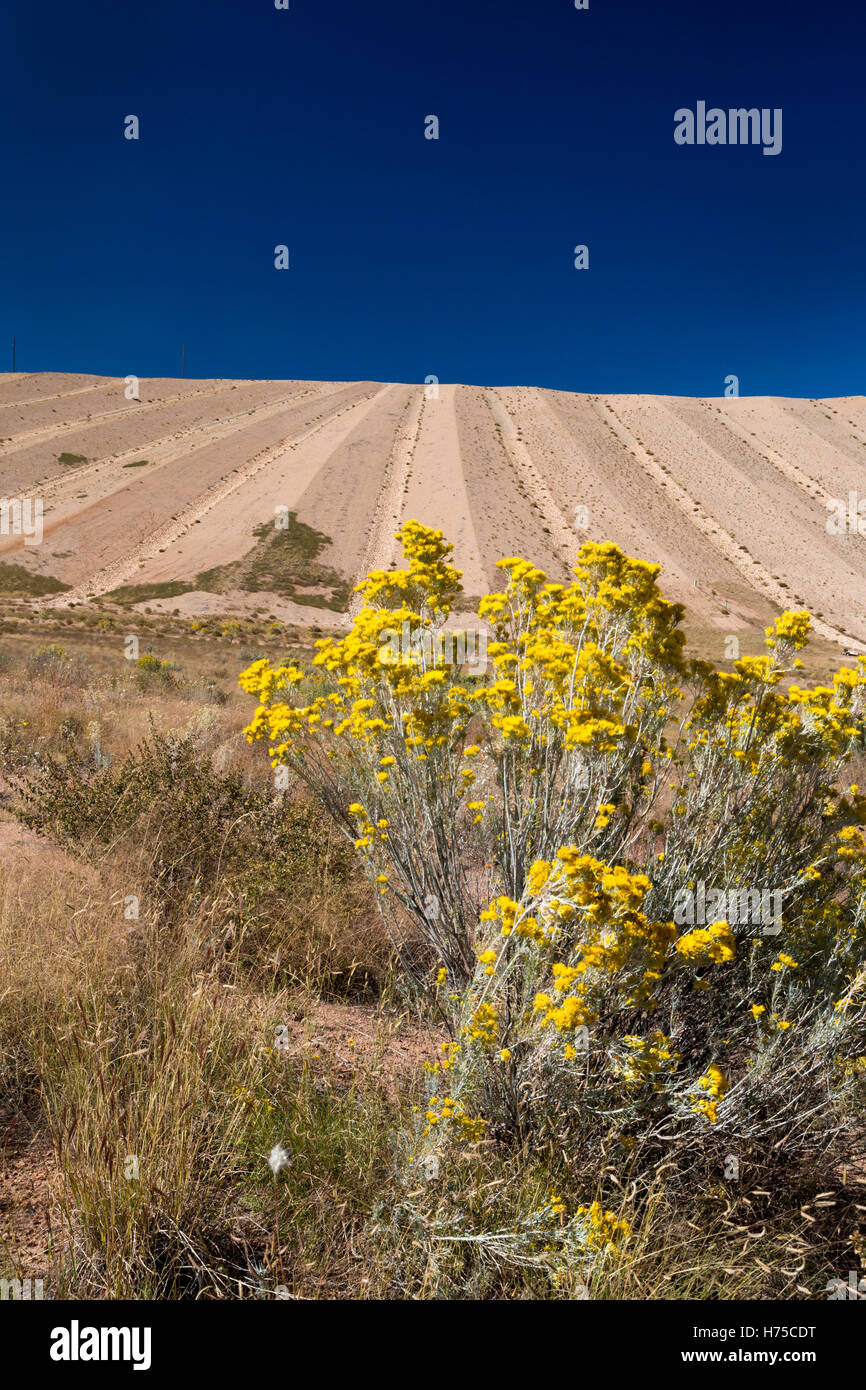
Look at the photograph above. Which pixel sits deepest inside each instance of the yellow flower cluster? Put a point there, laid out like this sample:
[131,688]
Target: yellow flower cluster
[775,1021]
[603,1230]
[647,1059]
[713,943]
[538,875]
[482,1026]
[451,1113]
[782,961]
[428,575]
[369,832]
[573,1013]
[512,918]
[711,1088]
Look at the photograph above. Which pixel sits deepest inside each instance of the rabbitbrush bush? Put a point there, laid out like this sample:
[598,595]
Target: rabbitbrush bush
[536,829]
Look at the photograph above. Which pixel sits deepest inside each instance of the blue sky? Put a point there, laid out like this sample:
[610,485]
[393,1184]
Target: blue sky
[413,257]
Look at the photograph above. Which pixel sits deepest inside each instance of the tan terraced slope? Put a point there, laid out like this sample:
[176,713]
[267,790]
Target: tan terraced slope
[731,493]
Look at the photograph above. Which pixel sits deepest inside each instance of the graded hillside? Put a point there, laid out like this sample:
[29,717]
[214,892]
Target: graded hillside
[230,495]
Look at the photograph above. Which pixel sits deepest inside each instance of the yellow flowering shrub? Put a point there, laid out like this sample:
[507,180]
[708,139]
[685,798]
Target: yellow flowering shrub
[577,676]
[537,820]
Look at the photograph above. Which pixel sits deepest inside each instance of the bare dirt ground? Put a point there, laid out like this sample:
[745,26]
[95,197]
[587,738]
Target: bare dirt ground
[730,496]
[31,1228]
[352,1038]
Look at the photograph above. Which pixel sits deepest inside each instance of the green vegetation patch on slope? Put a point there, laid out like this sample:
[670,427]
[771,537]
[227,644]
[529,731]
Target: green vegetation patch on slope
[15,579]
[284,561]
[144,593]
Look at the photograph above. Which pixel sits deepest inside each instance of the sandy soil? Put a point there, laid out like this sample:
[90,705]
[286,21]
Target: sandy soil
[730,496]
